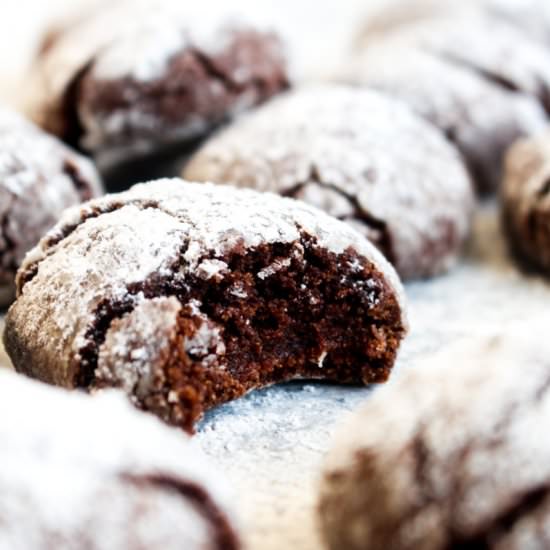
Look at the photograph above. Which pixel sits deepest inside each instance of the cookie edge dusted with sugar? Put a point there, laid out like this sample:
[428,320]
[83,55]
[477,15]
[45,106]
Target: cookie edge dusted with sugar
[40,177]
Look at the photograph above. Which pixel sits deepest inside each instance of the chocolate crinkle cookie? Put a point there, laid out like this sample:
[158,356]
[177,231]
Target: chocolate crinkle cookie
[525,201]
[364,158]
[493,81]
[189,295]
[452,456]
[135,76]
[83,472]
[39,178]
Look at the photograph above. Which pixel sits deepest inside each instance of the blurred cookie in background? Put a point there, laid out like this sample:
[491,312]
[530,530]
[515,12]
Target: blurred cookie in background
[131,78]
[483,81]
[39,178]
[480,117]
[452,455]
[83,472]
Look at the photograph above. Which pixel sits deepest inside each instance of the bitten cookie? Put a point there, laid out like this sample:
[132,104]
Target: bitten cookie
[451,456]
[133,77]
[525,200]
[82,472]
[189,295]
[363,158]
[39,178]
[488,93]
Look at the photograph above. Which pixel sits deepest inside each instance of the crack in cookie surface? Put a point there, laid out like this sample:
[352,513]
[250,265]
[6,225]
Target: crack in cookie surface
[376,228]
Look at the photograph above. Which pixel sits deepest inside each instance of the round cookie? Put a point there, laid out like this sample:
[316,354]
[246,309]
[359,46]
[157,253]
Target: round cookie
[39,178]
[452,455]
[525,200]
[480,117]
[188,295]
[363,158]
[82,472]
[134,77]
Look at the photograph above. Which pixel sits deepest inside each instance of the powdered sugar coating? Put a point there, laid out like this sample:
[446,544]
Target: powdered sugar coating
[39,178]
[455,457]
[132,343]
[141,34]
[168,227]
[141,51]
[362,158]
[129,39]
[87,472]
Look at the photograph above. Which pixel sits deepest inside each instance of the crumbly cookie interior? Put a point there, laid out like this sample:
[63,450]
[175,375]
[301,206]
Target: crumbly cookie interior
[280,311]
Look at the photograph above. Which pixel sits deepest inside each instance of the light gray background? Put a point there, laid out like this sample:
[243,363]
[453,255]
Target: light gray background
[318,31]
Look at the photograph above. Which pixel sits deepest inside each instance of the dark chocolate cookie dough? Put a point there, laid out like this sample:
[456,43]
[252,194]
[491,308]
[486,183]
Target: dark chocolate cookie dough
[525,200]
[452,456]
[189,295]
[93,473]
[133,77]
[39,178]
[484,82]
[364,158]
